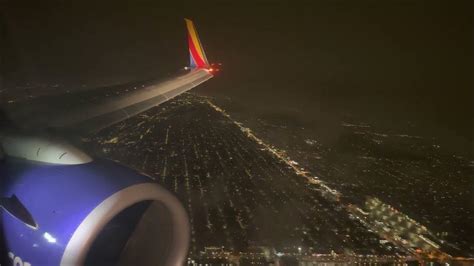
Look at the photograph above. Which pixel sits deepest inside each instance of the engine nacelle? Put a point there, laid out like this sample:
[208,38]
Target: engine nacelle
[98,212]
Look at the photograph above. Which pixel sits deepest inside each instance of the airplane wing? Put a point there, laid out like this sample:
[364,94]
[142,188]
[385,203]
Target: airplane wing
[96,115]
[49,175]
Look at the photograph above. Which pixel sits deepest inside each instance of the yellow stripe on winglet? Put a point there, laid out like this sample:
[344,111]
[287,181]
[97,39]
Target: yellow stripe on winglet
[194,36]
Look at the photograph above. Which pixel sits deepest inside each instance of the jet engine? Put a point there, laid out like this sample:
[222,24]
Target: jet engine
[59,206]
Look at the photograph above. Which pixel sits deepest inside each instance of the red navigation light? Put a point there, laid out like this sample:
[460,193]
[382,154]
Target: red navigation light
[214,67]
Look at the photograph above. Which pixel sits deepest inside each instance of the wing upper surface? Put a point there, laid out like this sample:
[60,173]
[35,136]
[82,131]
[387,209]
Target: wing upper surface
[86,113]
[97,115]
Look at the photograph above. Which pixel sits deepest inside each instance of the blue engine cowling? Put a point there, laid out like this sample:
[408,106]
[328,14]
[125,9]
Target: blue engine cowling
[96,213]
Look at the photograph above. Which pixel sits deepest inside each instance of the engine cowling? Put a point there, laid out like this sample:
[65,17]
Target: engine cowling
[98,212]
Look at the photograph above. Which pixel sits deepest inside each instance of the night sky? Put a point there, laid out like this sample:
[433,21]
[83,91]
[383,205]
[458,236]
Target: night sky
[388,61]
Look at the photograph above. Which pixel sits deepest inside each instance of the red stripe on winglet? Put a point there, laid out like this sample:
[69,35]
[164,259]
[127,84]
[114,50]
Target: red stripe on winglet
[192,49]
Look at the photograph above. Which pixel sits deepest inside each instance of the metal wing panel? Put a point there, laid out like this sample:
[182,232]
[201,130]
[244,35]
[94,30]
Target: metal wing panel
[94,110]
[111,111]
[83,113]
[118,110]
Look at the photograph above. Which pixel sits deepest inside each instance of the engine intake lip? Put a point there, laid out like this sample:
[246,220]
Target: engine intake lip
[86,233]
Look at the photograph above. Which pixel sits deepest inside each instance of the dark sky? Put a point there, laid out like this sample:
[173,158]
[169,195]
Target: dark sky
[385,60]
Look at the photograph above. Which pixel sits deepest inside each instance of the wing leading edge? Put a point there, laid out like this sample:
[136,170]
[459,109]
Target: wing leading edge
[99,116]
[96,116]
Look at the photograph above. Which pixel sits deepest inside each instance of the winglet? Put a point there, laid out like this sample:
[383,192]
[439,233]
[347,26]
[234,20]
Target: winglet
[197,57]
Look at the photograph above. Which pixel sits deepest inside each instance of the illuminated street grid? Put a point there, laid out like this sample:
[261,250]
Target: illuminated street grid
[238,194]
[404,170]
[410,172]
